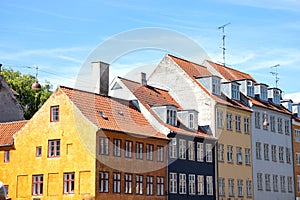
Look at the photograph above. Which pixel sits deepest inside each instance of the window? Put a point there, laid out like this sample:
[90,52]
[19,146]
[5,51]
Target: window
[290,184]
[104,146]
[149,185]
[240,188]
[281,154]
[216,86]
[235,92]
[116,182]
[208,153]
[6,156]
[69,183]
[229,121]
[282,183]
[128,183]
[117,148]
[139,150]
[173,148]
[220,119]
[238,123]
[171,117]
[191,150]
[221,186]
[38,151]
[266,151]
[250,88]
[209,185]
[103,181]
[149,151]
[200,152]
[265,119]
[173,183]
[239,156]
[37,185]
[264,93]
[182,149]
[298,159]
[160,186]
[160,153]
[200,184]
[192,184]
[259,181]
[229,153]
[274,156]
[128,149]
[267,181]
[258,150]
[249,188]
[275,183]
[298,182]
[246,125]
[53,148]
[247,156]
[231,187]
[54,113]
[297,135]
[139,184]
[287,127]
[191,120]
[272,123]
[257,119]
[279,123]
[288,155]
[182,183]
[221,152]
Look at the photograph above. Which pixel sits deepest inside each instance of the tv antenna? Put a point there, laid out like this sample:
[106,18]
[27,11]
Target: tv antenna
[223,39]
[275,73]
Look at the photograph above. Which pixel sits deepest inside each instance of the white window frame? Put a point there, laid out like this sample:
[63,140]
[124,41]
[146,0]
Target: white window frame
[281,154]
[209,185]
[257,119]
[266,152]
[173,148]
[182,183]
[231,187]
[191,150]
[272,123]
[192,184]
[229,121]
[282,184]
[191,120]
[247,156]
[173,183]
[258,150]
[297,135]
[249,188]
[239,155]
[240,185]
[246,125]
[220,119]
[221,152]
[182,149]
[290,184]
[267,182]
[221,184]
[208,150]
[275,182]
[200,179]
[279,125]
[274,154]
[229,153]
[238,123]
[259,181]
[200,152]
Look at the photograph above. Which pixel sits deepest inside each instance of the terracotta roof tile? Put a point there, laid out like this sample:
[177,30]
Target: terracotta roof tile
[231,74]
[202,73]
[150,96]
[8,129]
[118,115]
[269,105]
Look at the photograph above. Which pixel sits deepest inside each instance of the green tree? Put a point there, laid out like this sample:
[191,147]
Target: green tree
[30,100]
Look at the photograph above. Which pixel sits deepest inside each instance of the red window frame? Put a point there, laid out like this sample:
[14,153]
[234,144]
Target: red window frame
[103,182]
[54,149]
[54,113]
[6,156]
[37,185]
[38,152]
[69,183]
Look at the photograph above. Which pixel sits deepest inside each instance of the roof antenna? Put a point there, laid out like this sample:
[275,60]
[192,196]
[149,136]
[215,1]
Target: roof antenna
[223,38]
[275,73]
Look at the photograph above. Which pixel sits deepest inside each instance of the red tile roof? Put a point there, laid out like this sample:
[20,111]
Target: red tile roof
[195,71]
[8,129]
[151,96]
[269,105]
[118,115]
[231,74]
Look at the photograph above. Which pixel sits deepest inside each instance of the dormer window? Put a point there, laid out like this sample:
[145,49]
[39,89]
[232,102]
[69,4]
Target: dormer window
[264,93]
[250,88]
[191,120]
[171,117]
[235,91]
[216,87]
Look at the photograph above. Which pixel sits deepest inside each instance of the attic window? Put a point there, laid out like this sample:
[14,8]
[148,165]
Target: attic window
[116,86]
[103,115]
[120,112]
[171,117]
[235,92]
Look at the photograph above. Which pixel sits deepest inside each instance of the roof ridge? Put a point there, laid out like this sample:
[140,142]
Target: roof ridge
[13,122]
[187,61]
[129,80]
[228,67]
[144,85]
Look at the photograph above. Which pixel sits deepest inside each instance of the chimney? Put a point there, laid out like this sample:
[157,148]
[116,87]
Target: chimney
[100,75]
[296,109]
[143,79]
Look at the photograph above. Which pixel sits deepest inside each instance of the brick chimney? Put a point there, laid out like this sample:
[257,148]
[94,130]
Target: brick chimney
[100,75]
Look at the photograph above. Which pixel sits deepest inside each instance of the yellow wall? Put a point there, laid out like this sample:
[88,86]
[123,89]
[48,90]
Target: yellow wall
[236,139]
[75,157]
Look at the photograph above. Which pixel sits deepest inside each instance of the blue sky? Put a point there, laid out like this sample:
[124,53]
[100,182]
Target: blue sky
[58,36]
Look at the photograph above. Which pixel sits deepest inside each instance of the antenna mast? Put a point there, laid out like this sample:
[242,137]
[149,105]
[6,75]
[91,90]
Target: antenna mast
[223,39]
[275,74]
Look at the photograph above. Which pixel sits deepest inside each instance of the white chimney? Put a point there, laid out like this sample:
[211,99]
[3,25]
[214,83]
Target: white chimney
[143,79]
[296,109]
[100,75]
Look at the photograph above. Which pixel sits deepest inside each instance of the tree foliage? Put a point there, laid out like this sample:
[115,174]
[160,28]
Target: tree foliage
[30,100]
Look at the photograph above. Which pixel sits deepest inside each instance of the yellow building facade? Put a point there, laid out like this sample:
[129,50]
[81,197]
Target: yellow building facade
[234,153]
